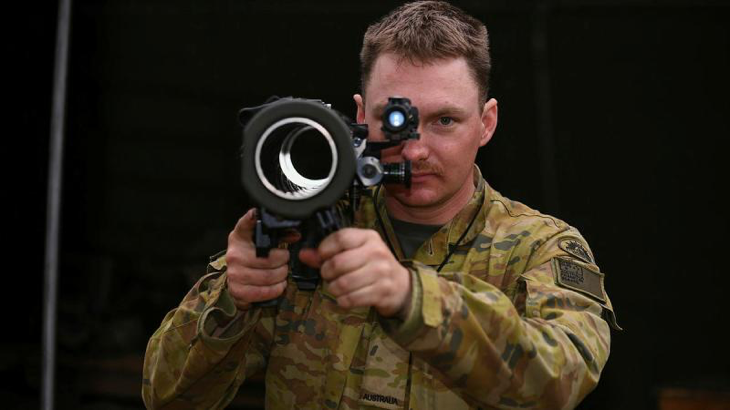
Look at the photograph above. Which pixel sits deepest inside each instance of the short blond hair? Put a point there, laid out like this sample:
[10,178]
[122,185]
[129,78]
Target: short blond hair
[425,31]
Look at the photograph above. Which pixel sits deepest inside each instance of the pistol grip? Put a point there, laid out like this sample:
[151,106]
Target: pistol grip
[262,240]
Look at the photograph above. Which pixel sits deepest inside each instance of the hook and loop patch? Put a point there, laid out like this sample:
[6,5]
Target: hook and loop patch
[580,278]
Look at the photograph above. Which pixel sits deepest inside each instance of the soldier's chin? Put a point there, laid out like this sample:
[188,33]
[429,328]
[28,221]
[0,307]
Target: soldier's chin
[413,197]
[398,190]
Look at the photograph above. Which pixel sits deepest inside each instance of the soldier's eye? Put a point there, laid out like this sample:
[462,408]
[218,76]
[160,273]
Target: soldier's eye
[446,121]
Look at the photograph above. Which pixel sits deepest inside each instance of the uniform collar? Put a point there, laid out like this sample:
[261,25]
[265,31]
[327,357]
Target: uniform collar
[447,237]
[462,220]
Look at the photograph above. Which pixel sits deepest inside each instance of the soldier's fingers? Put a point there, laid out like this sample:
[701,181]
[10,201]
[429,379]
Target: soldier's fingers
[252,294]
[246,257]
[243,231]
[343,263]
[365,296]
[351,282]
[260,277]
[348,238]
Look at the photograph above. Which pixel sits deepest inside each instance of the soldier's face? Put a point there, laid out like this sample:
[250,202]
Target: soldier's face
[453,125]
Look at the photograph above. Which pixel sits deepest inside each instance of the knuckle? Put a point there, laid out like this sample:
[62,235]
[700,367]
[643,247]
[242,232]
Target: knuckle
[280,273]
[381,251]
[378,290]
[266,277]
[342,234]
[236,256]
[235,271]
[261,263]
[230,282]
[233,275]
[333,264]
[245,274]
[325,270]
[253,294]
[233,256]
[262,277]
[270,292]
[376,266]
[263,293]
[344,301]
[337,288]
[330,239]
[239,294]
[387,288]
[372,238]
[279,256]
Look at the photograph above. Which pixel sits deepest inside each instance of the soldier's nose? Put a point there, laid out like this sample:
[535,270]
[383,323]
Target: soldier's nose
[414,150]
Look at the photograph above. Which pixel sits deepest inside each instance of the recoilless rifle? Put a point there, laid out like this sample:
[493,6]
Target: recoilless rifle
[306,166]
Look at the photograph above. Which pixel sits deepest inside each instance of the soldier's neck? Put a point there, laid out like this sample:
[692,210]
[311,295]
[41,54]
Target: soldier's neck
[438,213]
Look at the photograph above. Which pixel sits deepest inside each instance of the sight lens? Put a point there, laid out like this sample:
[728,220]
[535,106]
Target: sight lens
[396,118]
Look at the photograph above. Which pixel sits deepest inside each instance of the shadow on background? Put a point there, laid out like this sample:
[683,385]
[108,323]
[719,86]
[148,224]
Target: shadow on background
[613,116]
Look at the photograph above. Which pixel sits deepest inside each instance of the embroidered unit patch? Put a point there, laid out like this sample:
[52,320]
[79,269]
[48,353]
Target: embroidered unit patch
[576,249]
[577,277]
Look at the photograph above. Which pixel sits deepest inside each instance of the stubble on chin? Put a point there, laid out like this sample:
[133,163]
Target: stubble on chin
[414,197]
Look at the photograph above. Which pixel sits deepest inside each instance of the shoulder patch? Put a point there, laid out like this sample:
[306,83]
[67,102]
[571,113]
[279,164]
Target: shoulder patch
[574,276]
[575,248]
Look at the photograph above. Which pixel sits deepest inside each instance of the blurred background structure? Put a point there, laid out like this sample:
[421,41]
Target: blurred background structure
[614,116]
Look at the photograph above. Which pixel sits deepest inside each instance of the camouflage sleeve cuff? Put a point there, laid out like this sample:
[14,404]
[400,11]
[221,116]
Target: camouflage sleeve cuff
[409,329]
[221,325]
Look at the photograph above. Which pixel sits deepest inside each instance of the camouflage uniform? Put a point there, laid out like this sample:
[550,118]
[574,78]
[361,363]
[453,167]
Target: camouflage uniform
[516,318]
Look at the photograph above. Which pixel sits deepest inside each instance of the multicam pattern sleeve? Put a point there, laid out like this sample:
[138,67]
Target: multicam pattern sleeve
[205,348]
[517,318]
[497,324]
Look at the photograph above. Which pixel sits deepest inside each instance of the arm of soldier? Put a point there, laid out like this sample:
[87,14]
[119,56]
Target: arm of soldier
[544,348]
[206,347]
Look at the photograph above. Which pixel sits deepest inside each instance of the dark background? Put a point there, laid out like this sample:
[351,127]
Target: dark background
[613,117]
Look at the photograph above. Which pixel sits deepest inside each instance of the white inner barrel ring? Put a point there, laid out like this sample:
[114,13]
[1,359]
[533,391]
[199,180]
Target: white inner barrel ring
[307,187]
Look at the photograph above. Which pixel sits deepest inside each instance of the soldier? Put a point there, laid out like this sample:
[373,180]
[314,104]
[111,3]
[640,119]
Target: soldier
[446,295]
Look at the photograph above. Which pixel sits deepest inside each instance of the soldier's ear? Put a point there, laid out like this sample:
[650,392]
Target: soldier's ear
[360,108]
[489,121]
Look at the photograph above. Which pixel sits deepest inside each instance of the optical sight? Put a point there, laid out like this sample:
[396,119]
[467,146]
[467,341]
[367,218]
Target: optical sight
[400,119]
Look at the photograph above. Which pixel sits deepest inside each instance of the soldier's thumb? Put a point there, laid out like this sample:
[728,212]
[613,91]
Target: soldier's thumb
[245,226]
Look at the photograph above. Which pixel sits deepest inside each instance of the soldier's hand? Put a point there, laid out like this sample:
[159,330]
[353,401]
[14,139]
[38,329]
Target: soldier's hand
[361,271]
[252,279]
